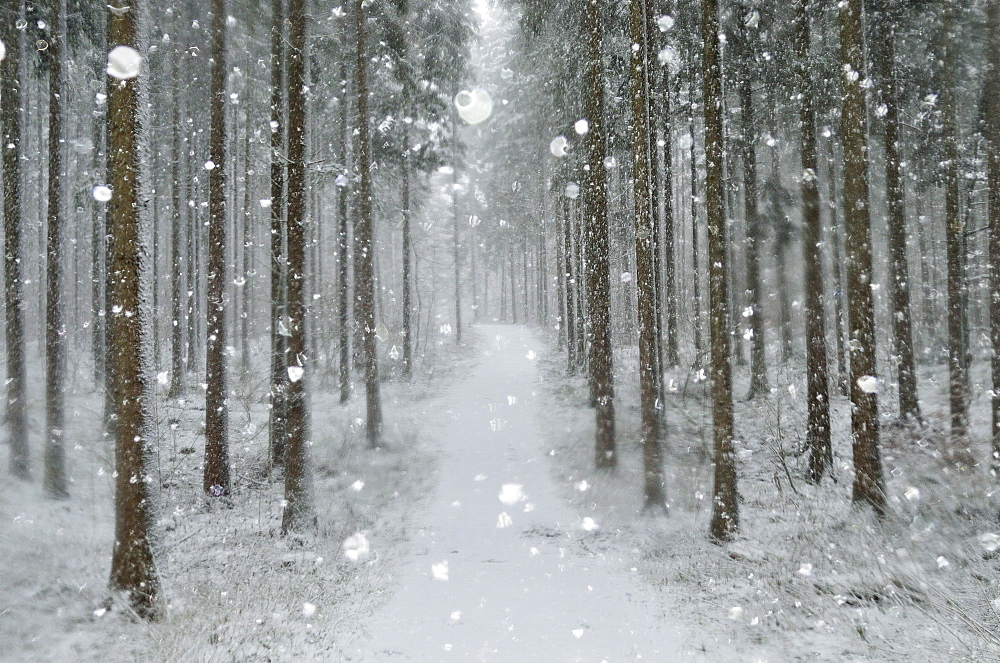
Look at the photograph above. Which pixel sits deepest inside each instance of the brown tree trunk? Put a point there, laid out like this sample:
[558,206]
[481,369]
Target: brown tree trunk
[595,198]
[725,503]
[13,216]
[177,371]
[54,480]
[365,249]
[817,380]
[299,514]
[279,375]
[568,279]
[993,160]
[899,277]
[216,480]
[654,491]
[133,568]
[343,241]
[407,263]
[954,240]
[869,481]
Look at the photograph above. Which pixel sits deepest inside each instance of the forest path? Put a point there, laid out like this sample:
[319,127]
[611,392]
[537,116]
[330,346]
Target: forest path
[525,579]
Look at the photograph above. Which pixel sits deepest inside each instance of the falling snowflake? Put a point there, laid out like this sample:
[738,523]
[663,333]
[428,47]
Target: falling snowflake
[558,146]
[356,547]
[511,493]
[440,570]
[124,62]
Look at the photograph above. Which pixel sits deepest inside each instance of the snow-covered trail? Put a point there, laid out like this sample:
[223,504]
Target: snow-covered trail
[493,581]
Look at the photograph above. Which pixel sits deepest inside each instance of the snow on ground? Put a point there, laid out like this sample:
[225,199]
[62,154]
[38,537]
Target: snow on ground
[480,531]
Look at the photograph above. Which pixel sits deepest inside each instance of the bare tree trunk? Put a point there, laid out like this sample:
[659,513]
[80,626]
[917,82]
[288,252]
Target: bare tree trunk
[669,253]
[899,277]
[54,481]
[695,257]
[246,290]
[343,241]
[725,511]
[216,480]
[568,279]
[13,216]
[758,361]
[598,242]
[456,246]
[653,485]
[993,160]
[407,250]
[176,237]
[133,567]
[300,512]
[365,249]
[954,241]
[279,376]
[97,241]
[817,380]
[869,481]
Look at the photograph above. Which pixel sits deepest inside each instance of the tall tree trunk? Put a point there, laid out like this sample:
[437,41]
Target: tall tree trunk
[954,239]
[343,241]
[365,248]
[653,485]
[133,567]
[568,279]
[695,257]
[993,160]
[176,233]
[13,216]
[407,250]
[899,277]
[817,380]
[725,509]
[869,481]
[246,290]
[300,513]
[595,199]
[98,240]
[55,482]
[279,375]
[669,253]
[758,361]
[216,480]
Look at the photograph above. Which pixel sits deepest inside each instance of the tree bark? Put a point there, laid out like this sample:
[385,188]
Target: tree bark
[597,241]
[177,371]
[725,503]
[216,480]
[299,514]
[13,216]
[993,160]
[343,241]
[279,375]
[899,277]
[869,481]
[653,485]
[817,378]
[133,567]
[365,249]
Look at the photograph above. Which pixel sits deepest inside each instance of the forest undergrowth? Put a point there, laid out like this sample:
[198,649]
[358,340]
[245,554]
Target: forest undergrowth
[810,577]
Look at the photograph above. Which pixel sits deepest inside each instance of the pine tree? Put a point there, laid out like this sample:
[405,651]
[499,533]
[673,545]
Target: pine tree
[654,491]
[216,480]
[869,482]
[725,504]
[597,240]
[10,125]
[133,567]
[300,511]
[817,379]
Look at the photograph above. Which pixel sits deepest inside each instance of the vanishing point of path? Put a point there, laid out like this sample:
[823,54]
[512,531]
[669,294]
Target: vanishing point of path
[495,571]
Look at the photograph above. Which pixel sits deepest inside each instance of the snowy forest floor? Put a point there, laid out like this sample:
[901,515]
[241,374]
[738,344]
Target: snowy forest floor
[809,579]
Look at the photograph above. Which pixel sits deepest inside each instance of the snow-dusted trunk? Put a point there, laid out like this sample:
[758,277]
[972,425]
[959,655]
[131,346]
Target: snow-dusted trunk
[899,277]
[299,513]
[595,199]
[55,482]
[364,255]
[279,377]
[13,216]
[216,480]
[725,506]
[653,484]
[993,160]
[869,482]
[568,280]
[343,241]
[754,234]
[407,262]
[954,237]
[133,568]
[456,247]
[817,380]
[176,234]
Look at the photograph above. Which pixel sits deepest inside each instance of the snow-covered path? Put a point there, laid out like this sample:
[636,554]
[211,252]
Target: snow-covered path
[501,573]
